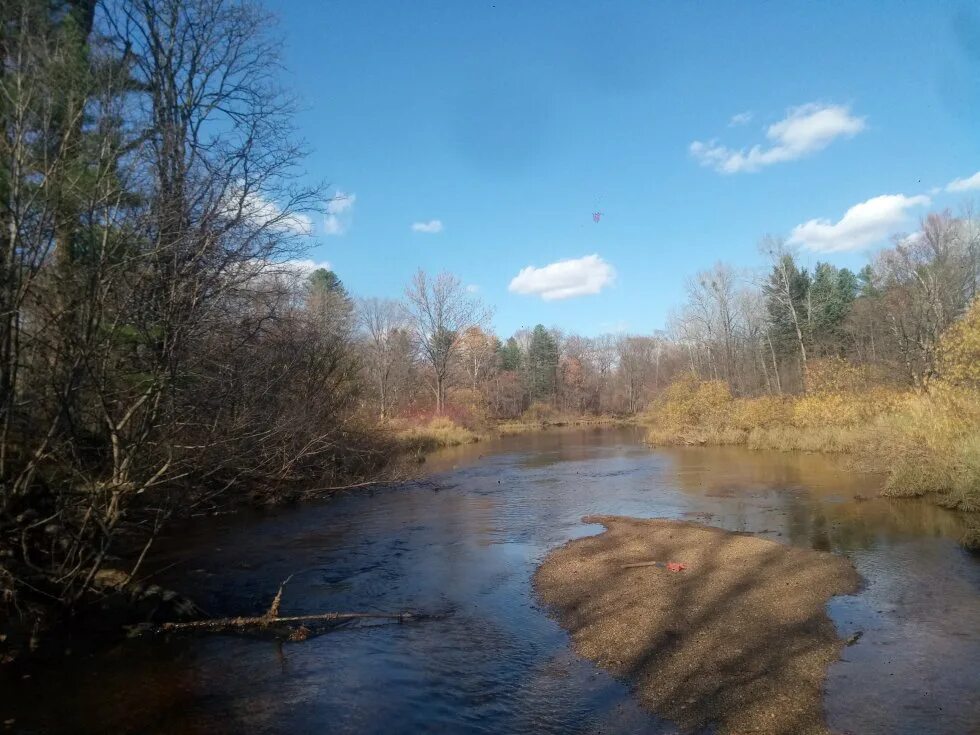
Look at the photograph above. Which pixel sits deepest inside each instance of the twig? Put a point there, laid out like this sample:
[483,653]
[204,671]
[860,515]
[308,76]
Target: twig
[273,612]
[348,487]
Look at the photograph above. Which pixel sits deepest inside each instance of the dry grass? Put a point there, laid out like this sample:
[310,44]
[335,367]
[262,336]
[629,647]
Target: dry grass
[526,425]
[439,432]
[927,441]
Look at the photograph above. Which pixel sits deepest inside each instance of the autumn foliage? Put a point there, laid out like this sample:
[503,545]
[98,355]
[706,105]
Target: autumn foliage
[927,441]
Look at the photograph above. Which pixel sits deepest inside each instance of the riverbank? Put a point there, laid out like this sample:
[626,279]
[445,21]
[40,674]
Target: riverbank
[441,432]
[926,442]
[739,637]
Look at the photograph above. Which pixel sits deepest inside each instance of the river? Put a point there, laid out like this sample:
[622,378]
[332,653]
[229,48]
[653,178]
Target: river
[466,543]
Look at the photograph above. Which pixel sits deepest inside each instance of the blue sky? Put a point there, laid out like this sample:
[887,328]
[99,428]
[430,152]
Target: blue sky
[511,122]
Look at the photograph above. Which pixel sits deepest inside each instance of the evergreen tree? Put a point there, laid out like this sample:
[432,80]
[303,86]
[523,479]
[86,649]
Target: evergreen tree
[510,355]
[542,355]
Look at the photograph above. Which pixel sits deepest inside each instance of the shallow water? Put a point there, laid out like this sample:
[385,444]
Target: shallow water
[467,544]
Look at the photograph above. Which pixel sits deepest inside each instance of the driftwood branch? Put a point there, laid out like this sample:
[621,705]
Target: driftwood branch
[261,621]
[272,619]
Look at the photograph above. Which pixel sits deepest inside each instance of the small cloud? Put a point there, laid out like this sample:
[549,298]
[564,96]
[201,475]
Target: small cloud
[968,184]
[267,273]
[472,288]
[742,118]
[565,278]
[805,130]
[339,211]
[913,238]
[264,212]
[863,224]
[305,266]
[431,227]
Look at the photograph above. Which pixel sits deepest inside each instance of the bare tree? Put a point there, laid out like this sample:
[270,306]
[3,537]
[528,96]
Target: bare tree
[384,328]
[479,355]
[441,311]
[780,287]
[147,176]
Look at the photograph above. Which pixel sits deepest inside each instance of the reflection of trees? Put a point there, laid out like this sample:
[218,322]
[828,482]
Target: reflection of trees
[824,505]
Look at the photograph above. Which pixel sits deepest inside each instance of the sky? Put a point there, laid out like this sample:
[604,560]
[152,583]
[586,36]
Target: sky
[480,137]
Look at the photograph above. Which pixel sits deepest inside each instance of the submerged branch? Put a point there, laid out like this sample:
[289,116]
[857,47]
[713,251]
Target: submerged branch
[272,618]
[261,621]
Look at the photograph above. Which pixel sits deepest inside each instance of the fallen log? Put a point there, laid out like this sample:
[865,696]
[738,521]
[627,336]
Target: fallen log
[272,620]
[264,621]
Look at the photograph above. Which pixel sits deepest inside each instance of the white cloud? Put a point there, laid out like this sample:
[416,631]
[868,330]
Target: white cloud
[432,226]
[339,210]
[267,274]
[472,288]
[305,266]
[863,224]
[968,184]
[297,269]
[913,238]
[742,118]
[565,278]
[263,212]
[805,130]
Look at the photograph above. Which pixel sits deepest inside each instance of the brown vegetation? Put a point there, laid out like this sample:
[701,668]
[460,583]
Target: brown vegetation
[927,439]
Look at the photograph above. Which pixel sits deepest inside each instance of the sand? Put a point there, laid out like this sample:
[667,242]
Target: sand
[740,639]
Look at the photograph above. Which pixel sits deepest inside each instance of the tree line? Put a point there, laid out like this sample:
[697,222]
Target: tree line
[759,332]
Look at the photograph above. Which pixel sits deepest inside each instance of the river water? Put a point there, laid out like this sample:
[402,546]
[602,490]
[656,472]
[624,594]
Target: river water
[466,543]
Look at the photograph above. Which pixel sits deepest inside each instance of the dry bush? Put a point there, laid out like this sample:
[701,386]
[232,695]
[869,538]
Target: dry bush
[690,402]
[959,349]
[441,431]
[468,408]
[933,446]
[761,413]
[830,439]
[540,413]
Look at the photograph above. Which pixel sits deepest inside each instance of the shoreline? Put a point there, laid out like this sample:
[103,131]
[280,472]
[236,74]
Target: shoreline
[740,637]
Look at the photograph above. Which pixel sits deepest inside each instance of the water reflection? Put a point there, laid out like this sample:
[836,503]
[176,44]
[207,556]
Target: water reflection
[467,544]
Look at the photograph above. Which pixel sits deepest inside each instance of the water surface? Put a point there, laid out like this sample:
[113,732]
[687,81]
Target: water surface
[467,544]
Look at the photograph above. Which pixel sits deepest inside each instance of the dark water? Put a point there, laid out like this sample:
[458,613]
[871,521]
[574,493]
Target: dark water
[497,663]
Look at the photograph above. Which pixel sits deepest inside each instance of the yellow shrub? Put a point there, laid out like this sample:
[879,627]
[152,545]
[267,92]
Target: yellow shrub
[764,412]
[837,375]
[846,408]
[959,349]
[690,402]
[441,431]
[927,442]
[933,446]
[539,412]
